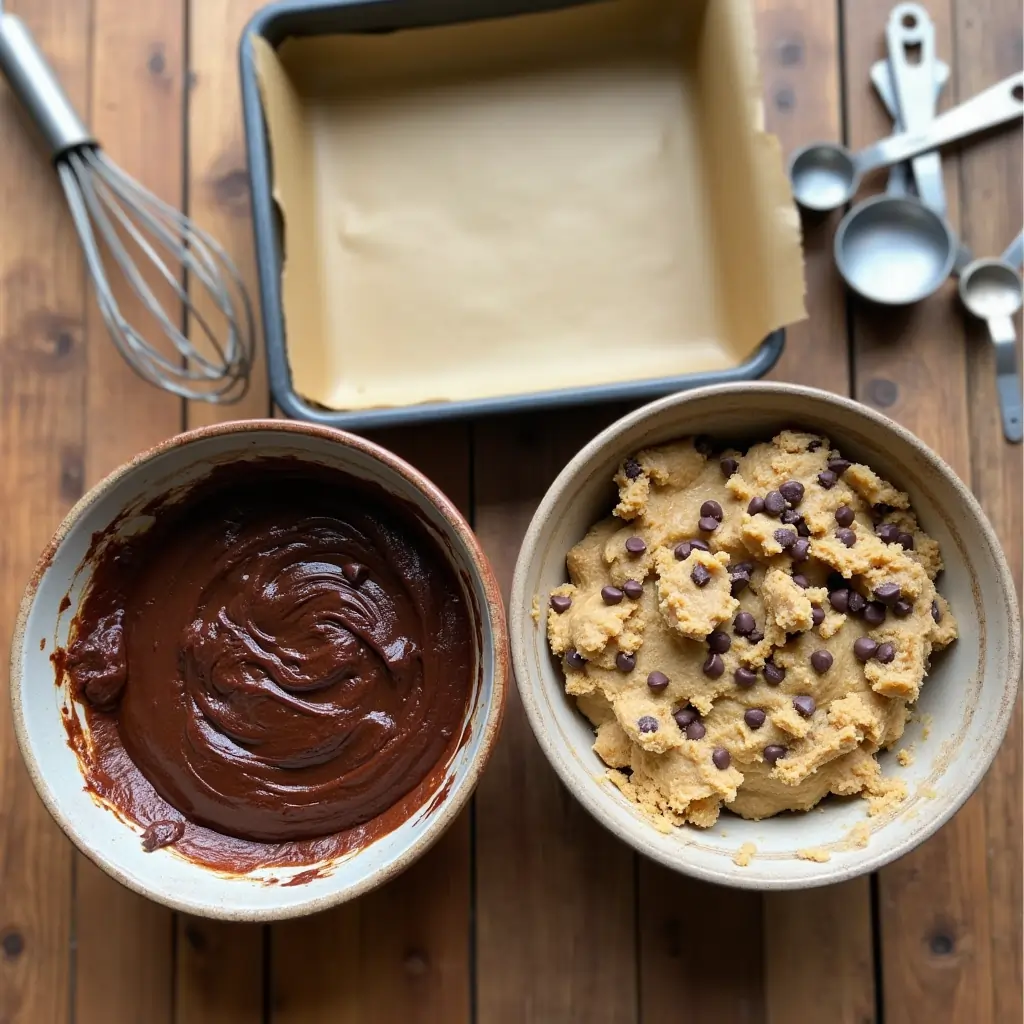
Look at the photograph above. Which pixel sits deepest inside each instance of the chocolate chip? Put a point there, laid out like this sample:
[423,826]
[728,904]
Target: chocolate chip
[880,510]
[864,648]
[657,681]
[700,576]
[801,580]
[793,491]
[712,509]
[754,717]
[836,581]
[885,653]
[631,468]
[636,545]
[744,624]
[857,602]
[827,479]
[704,444]
[706,524]
[729,466]
[745,677]
[802,528]
[874,613]
[625,662]
[756,505]
[647,724]
[720,758]
[773,752]
[902,608]
[699,545]
[821,661]
[713,665]
[845,515]
[695,730]
[739,583]
[888,533]
[840,600]
[774,503]
[746,568]
[756,637]
[817,614]
[773,674]
[684,716]
[682,550]
[354,573]
[561,603]
[814,445]
[936,611]
[846,537]
[804,705]
[785,538]
[574,659]
[800,550]
[611,595]
[718,641]
[906,541]
[839,466]
[633,589]
[888,593]
[791,517]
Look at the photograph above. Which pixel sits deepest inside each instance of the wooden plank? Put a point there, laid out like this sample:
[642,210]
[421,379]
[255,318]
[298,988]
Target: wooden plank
[402,953]
[138,73]
[220,966]
[555,891]
[987,48]
[817,946]
[934,921]
[799,57]
[42,412]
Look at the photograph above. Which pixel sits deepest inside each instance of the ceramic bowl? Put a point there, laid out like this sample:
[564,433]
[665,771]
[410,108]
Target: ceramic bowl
[965,703]
[44,623]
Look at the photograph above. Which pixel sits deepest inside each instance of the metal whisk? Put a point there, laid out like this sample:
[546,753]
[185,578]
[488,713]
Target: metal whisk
[107,204]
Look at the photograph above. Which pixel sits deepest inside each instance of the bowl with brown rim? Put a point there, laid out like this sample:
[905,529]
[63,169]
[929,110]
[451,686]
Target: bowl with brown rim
[57,739]
[965,704]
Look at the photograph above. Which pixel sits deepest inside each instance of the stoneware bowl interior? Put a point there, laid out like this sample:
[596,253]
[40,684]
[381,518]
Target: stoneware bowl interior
[966,701]
[115,846]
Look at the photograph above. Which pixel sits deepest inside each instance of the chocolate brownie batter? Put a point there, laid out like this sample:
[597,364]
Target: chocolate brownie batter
[283,659]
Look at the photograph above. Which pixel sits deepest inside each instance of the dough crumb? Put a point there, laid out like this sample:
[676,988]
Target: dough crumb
[905,757]
[744,855]
[928,792]
[815,853]
[535,609]
[926,726]
[859,835]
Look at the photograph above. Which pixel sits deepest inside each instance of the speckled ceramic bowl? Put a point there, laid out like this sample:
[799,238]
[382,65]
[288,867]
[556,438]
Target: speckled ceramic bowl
[43,624]
[966,701]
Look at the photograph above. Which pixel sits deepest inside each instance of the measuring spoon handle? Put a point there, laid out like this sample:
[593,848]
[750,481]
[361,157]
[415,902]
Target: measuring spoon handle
[1014,254]
[996,105]
[1008,377]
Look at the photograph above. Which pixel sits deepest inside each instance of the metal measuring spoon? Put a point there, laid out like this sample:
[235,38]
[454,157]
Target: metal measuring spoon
[881,77]
[897,249]
[992,290]
[824,175]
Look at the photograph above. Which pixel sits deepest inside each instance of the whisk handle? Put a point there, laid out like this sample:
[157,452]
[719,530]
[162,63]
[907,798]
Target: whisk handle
[32,80]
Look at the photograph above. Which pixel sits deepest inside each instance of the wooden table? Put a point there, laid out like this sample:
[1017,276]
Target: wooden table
[527,910]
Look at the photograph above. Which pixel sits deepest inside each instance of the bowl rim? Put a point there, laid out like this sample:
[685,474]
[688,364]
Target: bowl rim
[453,801]
[596,798]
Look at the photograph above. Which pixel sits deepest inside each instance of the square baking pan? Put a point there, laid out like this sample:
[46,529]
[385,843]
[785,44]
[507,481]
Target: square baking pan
[363,24]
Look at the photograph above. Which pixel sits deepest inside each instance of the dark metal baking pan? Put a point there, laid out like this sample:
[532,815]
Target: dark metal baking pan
[293,18]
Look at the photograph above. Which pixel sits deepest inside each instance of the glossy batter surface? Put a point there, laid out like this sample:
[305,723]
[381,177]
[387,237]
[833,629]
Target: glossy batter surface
[284,656]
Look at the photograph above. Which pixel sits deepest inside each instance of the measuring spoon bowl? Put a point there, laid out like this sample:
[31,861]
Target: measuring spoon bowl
[990,288]
[894,250]
[823,175]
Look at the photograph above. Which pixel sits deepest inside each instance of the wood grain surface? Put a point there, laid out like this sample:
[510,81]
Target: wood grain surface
[526,911]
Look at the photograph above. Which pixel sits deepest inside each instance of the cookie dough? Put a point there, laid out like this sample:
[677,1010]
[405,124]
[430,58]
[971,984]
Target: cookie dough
[748,629]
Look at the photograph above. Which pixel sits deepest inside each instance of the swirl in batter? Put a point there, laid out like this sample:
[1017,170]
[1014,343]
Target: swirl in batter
[284,654]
